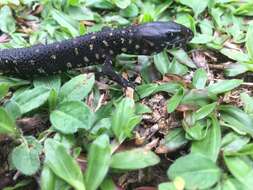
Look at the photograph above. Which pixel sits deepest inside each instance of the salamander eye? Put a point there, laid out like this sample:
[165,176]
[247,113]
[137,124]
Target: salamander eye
[187,33]
[170,36]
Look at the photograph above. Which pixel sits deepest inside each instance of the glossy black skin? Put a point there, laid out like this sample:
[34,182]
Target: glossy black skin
[93,48]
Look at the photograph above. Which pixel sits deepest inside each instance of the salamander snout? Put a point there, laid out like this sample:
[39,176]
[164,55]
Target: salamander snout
[186,33]
[158,35]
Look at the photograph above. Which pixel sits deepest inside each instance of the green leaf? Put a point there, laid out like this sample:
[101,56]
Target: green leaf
[50,82]
[13,82]
[52,99]
[196,97]
[247,103]
[63,165]
[249,41]
[142,108]
[71,116]
[245,9]
[202,39]
[8,24]
[108,184]
[210,145]
[175,100]
[177,184]
[206,27]
[235,54]
[174,139]
[177,68]
[7,124]
[4,88]
[235,69]
[199,79]
[101,127]
[152,88]
[161,61]
[198,6]
[233,142]
[77,88]
[241,169]
[134,159]
[31,99]
[197,171]
[236,119]
[100,4]
[25,159]
[204,111]
[13,109]
[47,179]
[65,21]
[122,3]
[183,58]
[167,186]
[131,11]
[224,86]
[233,184]
[195,130]
[244,151]
[99,158]
[124,119]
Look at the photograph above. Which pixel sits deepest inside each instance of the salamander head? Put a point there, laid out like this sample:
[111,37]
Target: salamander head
[157,35]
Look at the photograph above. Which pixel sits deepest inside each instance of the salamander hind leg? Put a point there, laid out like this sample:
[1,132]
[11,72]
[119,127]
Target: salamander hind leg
[111,74]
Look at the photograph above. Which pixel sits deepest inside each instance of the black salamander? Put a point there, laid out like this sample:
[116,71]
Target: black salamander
[94,48]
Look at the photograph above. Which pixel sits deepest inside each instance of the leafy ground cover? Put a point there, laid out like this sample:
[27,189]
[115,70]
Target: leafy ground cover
[189,127]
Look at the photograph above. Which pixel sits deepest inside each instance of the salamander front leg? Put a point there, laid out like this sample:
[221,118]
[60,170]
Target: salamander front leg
[111,74]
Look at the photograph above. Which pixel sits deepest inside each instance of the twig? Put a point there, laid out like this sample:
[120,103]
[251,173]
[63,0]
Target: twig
[216,66]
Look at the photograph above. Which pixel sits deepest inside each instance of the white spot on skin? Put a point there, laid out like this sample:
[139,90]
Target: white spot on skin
[16,69]
[37,50]
[41,70]
[69,65]
[74,42]
[91,47]
[106,43]
[111,34]
[15,62]
[123,31]
[122,40]
[151,44]
[93,37]
[111,52]
[144,51]
[114,42]
[130,42]
[57,46]
[104,56]
[86,59]
[124,49]
[6,61]
[32,62]
[76,51]
[53,56]
[137,47]
[97,56]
